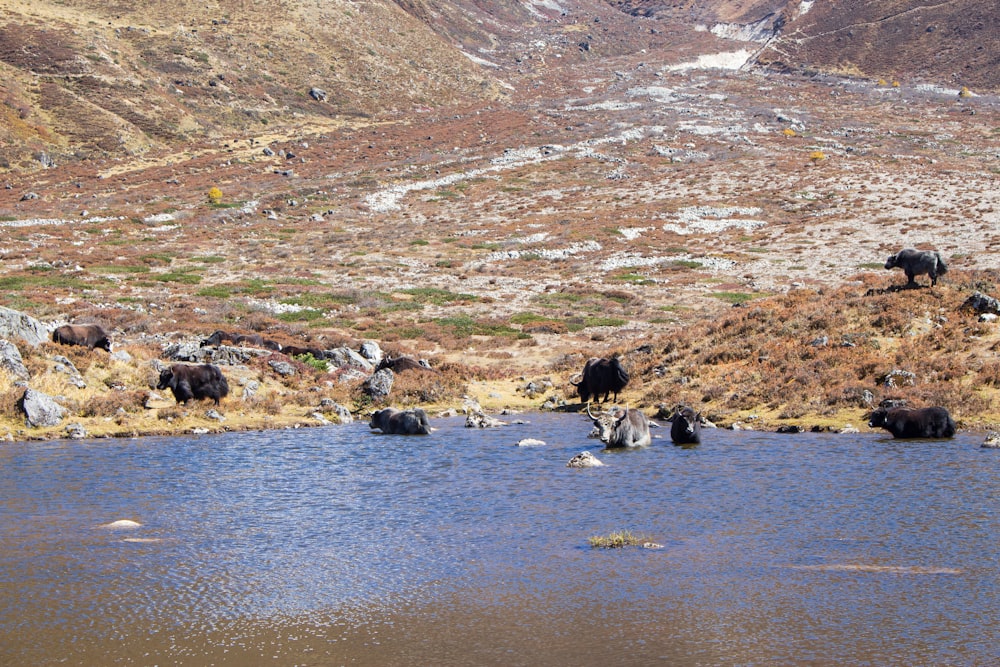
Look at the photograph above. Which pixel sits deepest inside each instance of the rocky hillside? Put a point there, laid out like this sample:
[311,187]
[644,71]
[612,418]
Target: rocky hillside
[82,79]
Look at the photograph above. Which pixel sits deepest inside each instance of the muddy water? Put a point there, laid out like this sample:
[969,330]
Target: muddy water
[337,546]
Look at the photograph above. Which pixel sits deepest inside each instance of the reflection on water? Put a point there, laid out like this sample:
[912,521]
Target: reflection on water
[338,546]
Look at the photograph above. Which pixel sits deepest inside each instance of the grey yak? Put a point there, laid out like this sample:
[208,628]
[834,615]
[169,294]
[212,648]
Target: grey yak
[917,263]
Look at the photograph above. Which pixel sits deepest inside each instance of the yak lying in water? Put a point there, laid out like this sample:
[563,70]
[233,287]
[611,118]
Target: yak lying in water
[197,382]
[932,422]
[917,263]
[87,335]
[401,422]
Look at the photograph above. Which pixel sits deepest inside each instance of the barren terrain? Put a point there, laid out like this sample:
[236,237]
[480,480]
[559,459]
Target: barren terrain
[620,205]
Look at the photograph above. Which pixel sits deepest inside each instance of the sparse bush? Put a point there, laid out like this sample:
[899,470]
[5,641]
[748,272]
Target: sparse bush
[109,403]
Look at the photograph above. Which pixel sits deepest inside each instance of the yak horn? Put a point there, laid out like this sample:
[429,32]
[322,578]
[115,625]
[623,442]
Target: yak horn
[589,414]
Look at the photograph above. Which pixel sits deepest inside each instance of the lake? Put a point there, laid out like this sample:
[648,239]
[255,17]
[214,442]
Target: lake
[339,546]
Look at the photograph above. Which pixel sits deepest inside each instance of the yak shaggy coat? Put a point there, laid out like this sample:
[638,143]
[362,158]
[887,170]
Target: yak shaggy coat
[87,335]
[197,382]
[914,422]
[401,422]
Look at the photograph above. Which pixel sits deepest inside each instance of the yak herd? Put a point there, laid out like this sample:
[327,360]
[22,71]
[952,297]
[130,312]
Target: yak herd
[600,379]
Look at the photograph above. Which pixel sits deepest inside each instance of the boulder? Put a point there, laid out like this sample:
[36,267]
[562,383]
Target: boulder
[15,324]
[530,442]
[379,384]
[584,460]
[282,368]
[345,356]
[40,409]
[371,351]
[11,361]
[982,303]
[482,420]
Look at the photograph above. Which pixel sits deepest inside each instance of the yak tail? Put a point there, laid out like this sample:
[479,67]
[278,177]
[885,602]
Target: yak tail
[942,267]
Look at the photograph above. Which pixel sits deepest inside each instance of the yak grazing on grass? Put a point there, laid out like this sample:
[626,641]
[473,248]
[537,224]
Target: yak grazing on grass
[917,263]
[401,422]
[914,422]
[87,335]
[197,382]
[601,376]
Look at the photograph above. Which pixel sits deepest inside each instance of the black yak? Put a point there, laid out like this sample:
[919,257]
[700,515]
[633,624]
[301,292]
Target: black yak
[87,335]
[197,382]
[917,263]
[685,427]
[401,422]
[621,428]
[932,422]
[601,376]
[238,339]
[400,364]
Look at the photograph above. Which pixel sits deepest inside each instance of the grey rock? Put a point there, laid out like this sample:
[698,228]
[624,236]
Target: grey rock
[345,356]
[250,389]
[75,431]
[282,368]
[317,94]
[371,351]
[379,384]
[981,303]
[584,460]
[15,324]
[11,361]
[40,409]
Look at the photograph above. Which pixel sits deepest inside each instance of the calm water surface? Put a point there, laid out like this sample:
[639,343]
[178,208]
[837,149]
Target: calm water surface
[335,545]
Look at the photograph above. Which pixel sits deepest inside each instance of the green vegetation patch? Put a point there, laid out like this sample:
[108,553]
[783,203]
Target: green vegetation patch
[215,292]
[736,297]
[119,269]
[179,277]
[464,326]
[617,540]
[19,283]
[438,297]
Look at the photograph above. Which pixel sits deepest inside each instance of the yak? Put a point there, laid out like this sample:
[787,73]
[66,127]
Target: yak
[401,422]
[197,382]
[87,335]
[917,263]
[685,427]
[601,376]
[400,364]
[621,428]
[934,422]
[237,339]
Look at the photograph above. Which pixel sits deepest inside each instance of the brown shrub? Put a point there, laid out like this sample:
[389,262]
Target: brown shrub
[8,402]
[108,404]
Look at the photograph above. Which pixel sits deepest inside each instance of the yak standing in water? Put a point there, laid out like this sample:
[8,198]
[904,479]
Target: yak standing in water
[621,428]
[87,335]
[401,422]
[197,382]
[601,376]
[917,263]
[685,427]
[932,422]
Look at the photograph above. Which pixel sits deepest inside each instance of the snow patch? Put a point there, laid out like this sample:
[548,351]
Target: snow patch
[731,60]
